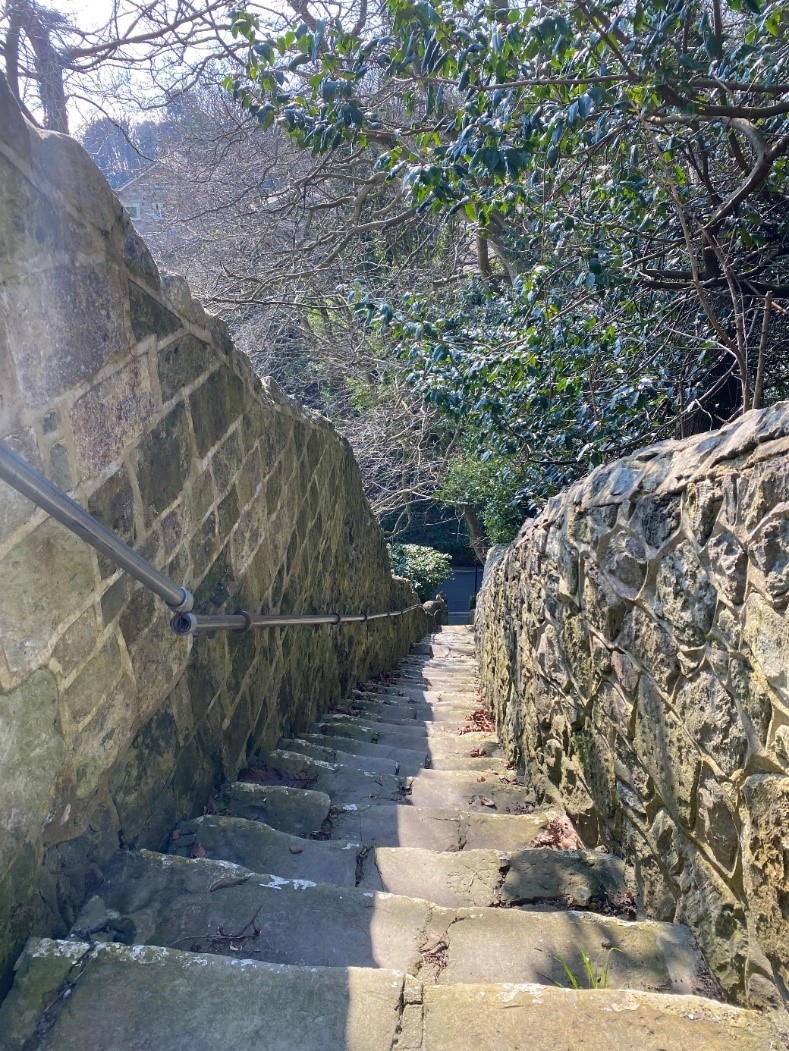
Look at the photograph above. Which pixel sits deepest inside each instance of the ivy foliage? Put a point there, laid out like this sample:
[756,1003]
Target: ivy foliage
[424,567]
[623,168]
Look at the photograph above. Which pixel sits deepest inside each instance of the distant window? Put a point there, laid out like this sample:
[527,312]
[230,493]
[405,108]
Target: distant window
[157,210]
[133,210]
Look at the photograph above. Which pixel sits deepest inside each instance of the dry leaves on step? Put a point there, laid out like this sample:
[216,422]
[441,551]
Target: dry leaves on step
[483,801]
[480,721]
[558,834]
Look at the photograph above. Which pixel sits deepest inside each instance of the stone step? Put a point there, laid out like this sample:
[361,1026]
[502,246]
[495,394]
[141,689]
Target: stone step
[376,733]
[216,907]
[297,811]
[464,761]
[567,878]
[409,760]
[372,764]
[441,739]
[390,825]
[120,998]
[257,846]
[343,784]
[404,715]
[533,1018]
[461,789]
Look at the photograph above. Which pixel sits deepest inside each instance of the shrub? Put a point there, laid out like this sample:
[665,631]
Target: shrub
[424,567]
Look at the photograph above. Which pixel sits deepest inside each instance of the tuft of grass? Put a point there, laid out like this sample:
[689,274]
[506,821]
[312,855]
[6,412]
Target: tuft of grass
[596,973]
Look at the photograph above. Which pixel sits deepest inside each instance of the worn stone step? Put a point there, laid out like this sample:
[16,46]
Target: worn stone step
[405,715]
[343,784]
[409,760]
[463,761]
[257,846]
[566,878]
[440,739]
[372,764]
[453,788]
[458,879]
[121,998]
[210,906]
[535,1018]
[390,825]
[575,879]
[297,811]
[375,733]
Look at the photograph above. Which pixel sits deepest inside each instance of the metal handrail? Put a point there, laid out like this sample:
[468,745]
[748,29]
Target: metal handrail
[21,476]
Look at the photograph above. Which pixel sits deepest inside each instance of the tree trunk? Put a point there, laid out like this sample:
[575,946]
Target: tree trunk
[475,534]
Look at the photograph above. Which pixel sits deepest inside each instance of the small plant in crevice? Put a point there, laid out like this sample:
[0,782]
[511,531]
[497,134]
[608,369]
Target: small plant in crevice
[596,973]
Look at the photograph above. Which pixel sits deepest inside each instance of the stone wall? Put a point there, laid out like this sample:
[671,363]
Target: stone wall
[635,649]
[124,392]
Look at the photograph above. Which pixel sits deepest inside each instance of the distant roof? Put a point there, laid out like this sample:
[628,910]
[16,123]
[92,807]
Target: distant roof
[137,175]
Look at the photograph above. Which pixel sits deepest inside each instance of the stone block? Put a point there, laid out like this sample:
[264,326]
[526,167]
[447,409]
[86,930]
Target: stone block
[46,577]
[67,166]
[656,518]
[650,642]
[148,316]
[113,504]
[111,415]
[766,633]
[183,362]
[768,550]
[765,872]
[226,462]
[667,752]
[16,509]
[215,406]
[136,256]
[76,643]
[626,561]
[685,595]
[717,825]
[79,324]
[142,772]
[31,751]
[727,565]
[92,689]
[709,714]
[163,462]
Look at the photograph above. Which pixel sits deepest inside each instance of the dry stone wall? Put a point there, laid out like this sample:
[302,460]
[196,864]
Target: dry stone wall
[124,392]
[634,642]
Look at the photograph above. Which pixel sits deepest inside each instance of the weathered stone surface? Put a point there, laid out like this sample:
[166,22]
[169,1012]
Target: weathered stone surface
[766,866]
[148,316]
[31,749]
[670,692]
[124,398]
[79,326]
[45,578]
[163,460]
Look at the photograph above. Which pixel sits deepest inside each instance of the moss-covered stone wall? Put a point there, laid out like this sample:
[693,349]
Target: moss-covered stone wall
[634,642]
[124,392]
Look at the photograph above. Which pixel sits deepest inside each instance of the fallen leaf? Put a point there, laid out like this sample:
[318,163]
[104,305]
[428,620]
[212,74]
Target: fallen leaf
[487,801]
[198,850]
[480,779]
[296,850]
[176,834]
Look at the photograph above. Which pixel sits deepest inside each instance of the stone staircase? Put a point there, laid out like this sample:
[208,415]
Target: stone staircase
[381,882]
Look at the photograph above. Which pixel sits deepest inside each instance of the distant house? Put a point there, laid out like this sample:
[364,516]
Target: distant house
[145,198]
